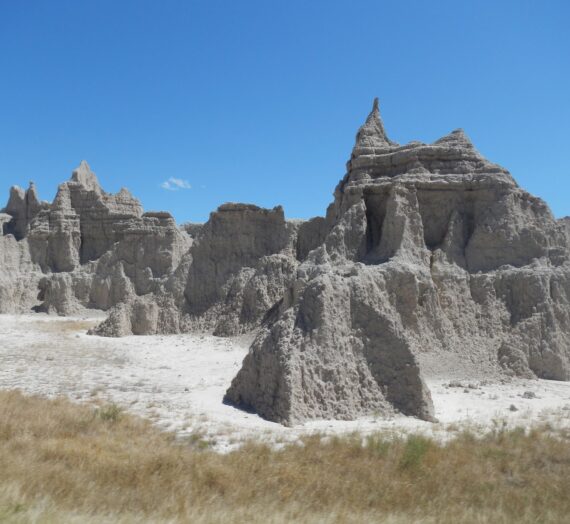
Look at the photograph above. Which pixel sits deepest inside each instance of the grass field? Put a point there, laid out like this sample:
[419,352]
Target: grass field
[61,462]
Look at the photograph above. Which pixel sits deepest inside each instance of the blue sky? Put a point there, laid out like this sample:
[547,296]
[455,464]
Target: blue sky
[259,101]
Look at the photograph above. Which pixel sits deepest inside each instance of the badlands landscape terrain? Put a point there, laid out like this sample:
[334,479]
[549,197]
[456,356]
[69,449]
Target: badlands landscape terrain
[430,264]
[432,300]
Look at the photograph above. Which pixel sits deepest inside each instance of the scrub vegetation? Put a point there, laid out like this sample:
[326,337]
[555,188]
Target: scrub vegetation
[63,462]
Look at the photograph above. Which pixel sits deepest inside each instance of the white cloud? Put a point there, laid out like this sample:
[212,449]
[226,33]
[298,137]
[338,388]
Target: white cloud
[174,184]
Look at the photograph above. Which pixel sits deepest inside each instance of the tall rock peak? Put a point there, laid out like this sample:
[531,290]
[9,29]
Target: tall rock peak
[22,206]
[372,133]
[86,177]
[375,156]
[32,193]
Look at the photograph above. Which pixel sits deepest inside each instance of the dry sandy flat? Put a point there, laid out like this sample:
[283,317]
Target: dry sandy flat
[178,381]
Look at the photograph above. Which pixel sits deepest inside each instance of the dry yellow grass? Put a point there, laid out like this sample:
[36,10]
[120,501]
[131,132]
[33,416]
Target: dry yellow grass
[61,462]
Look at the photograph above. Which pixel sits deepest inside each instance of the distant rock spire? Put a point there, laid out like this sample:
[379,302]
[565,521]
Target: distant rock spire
[86,177]
[372,132]
[16,201]
[32,200]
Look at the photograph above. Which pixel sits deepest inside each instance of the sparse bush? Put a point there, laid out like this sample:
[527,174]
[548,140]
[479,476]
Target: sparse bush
[415,448]
[378,445]
[109,413]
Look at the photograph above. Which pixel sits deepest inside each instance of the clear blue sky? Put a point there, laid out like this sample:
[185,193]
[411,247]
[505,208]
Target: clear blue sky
[259,101]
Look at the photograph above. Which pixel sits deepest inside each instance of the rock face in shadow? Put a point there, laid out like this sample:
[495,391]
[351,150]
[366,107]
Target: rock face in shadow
[430,261]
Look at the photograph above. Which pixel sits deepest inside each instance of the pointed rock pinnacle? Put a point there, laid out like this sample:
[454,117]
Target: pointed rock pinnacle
[372,133]
[86,177]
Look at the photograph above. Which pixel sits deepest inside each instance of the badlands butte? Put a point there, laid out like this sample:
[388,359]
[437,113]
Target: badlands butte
[430,261]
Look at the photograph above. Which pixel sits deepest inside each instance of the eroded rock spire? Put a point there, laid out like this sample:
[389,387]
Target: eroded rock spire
[372,133]
[86,177]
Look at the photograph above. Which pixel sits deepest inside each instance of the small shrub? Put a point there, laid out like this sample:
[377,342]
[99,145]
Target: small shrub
[378,445]
[414,451]
[197,439]
[110,413]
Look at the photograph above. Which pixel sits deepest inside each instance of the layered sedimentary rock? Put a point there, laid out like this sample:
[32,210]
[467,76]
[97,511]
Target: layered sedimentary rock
[435,261]
[242,261]
[88,248]
[18,275]
[430,261]
[242,264]
[22,207]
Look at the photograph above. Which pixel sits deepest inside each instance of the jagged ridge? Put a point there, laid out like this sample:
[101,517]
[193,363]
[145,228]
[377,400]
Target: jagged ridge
[430,260]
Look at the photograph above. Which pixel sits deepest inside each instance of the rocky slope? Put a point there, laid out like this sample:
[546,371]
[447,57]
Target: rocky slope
[430,260]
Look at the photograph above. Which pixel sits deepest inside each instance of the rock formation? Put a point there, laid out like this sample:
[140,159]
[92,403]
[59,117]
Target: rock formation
[87,249]
[430,261]
[435,261]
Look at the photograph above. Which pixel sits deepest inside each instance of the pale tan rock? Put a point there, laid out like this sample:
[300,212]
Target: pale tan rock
[435,262]
[430,261]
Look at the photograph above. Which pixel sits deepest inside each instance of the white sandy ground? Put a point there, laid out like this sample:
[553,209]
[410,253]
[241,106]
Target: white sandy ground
[178,381]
